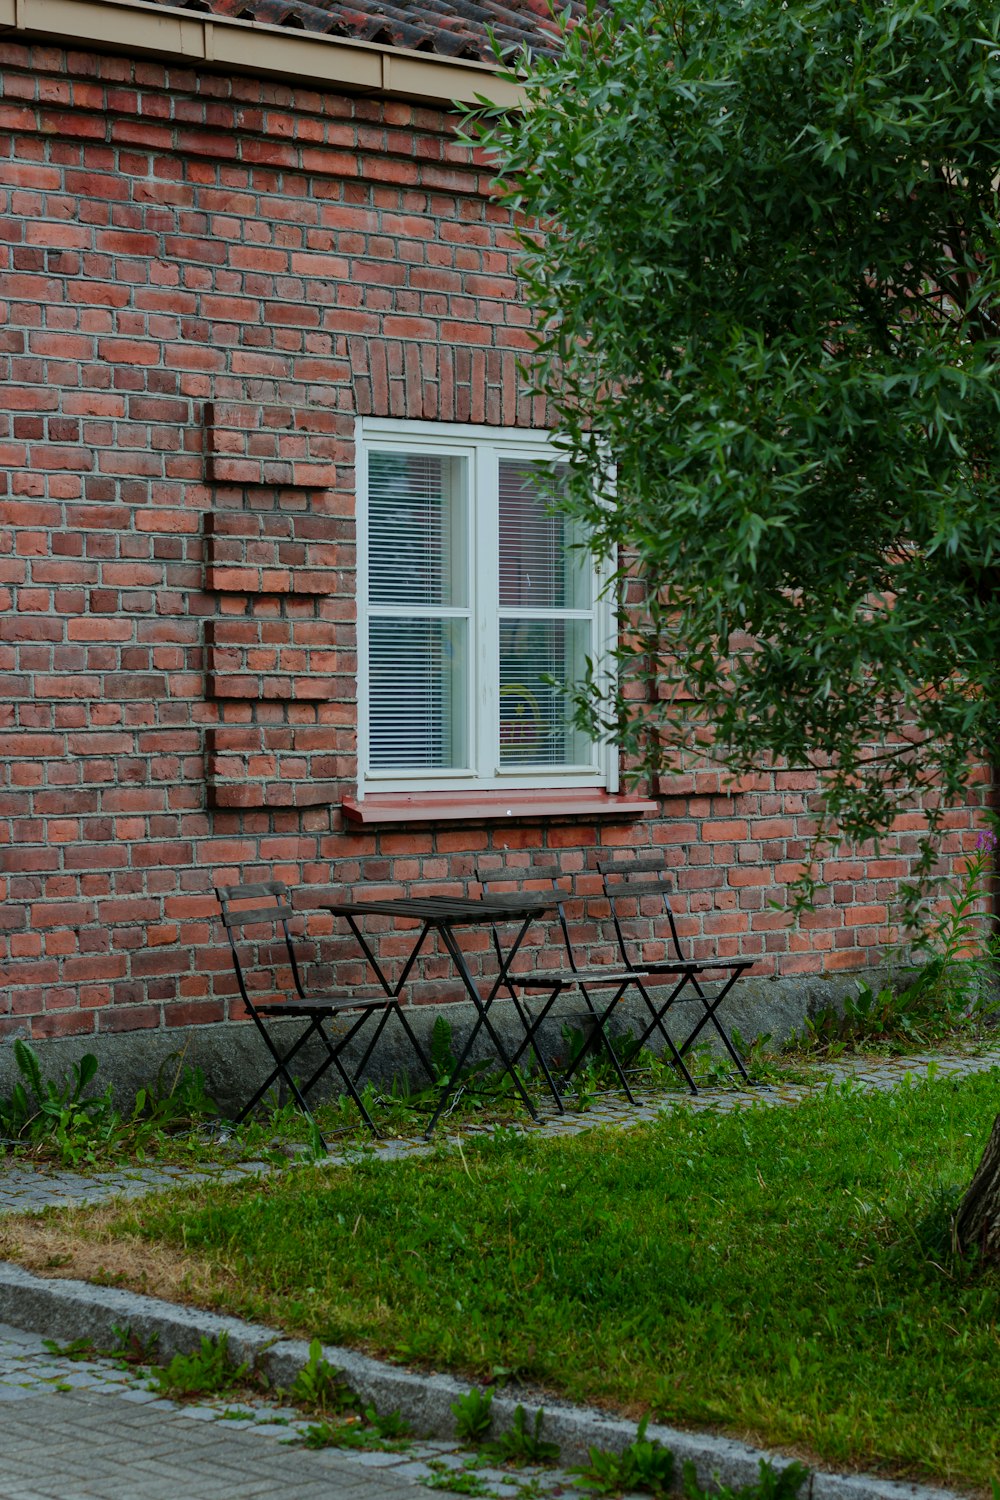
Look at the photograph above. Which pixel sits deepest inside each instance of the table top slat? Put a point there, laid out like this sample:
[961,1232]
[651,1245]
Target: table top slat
[453,910]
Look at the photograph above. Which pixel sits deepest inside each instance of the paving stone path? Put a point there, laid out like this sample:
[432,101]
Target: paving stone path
[92,1429]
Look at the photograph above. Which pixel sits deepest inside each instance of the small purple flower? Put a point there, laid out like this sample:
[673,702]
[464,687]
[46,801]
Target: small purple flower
[987,840]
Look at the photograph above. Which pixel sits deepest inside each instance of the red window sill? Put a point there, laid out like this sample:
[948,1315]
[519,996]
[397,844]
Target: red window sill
[477,807]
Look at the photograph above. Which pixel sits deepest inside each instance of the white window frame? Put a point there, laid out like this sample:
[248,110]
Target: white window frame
[482,448]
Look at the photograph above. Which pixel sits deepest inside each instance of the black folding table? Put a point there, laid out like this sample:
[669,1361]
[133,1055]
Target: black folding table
[444,915]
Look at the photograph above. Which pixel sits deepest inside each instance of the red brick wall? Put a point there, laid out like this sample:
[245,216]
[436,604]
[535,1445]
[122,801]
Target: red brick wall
[206,279]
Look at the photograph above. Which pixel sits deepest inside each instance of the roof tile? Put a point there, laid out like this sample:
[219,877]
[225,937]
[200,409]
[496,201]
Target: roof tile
[449,28]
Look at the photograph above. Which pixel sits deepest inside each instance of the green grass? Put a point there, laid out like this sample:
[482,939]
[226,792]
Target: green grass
[782,1273]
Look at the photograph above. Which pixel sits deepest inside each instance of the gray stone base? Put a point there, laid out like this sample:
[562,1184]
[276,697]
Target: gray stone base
[234,1060]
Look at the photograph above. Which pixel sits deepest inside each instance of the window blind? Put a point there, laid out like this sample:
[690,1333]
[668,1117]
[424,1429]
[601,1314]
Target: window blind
[414,530]
[534,728]
[415,672]
[539,567]
[416,570]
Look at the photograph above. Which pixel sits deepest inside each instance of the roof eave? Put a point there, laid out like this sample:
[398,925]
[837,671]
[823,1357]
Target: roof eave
[224,44]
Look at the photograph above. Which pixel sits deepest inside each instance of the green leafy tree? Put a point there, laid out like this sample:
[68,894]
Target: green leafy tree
[762,242]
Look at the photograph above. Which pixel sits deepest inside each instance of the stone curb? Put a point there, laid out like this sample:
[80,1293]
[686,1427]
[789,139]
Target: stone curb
[67,1310]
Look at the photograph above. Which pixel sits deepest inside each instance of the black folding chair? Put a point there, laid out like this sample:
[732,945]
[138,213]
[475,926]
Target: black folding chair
[586,981]
[549,878]
[271,909]
[645,879]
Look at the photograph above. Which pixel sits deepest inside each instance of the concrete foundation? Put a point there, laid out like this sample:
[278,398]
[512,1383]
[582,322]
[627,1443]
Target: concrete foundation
[234,1060]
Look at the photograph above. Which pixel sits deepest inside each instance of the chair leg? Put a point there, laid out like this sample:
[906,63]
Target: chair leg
[658,1014]
[530,1029]
[362,1065]
[601,1020]
[333,1060]
[456,1071]
[482,1020]
[425,1061]
[280,1070]
[711,1006]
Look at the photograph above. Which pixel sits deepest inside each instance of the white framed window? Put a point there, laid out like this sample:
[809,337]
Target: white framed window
[473,597]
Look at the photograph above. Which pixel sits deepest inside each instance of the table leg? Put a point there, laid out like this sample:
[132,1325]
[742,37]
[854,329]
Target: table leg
[530,1026]
[482,1020]
[393,991]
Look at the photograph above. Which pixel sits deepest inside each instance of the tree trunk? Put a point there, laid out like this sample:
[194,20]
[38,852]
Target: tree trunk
[977,1222]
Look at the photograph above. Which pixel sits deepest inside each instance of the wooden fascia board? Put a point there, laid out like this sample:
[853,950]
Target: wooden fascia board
[221,43]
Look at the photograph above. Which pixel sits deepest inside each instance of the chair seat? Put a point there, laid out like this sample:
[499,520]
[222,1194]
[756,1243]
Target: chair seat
[319,1007]
[543,979]
[692,966]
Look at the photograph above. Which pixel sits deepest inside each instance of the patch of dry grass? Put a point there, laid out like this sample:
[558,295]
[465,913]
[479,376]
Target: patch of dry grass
[88,1245]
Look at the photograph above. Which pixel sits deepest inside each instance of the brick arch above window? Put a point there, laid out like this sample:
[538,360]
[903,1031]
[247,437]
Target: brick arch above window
[431,382]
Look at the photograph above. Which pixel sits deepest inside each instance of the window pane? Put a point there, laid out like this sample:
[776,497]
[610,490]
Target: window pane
[416,529]
[533,728]
[416,669]
[539,567]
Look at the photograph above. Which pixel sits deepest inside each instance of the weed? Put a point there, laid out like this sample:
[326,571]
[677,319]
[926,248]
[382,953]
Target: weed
[939,996]
[60,1112]
[443,1059]
[353,1433]
[473,1415]
[209,1371]
[176,1104]
[533,1489]
[962,942]
[62,1120]
[772,1484]
[319,1386]
[132,1348]
[455,1482]
[709,1067]
[129,1348]
[869,1017]
[524,1444]
[646,1464]
[391,1425]
[76,1349]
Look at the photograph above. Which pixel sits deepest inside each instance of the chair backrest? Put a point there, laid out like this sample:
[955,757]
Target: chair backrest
[547,876]
[630,881]
[264,903]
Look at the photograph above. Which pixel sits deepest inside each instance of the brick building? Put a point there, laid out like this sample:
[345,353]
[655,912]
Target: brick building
[270,520]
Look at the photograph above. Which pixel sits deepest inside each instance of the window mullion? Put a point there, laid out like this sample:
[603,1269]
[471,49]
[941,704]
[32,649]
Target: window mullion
[488,621]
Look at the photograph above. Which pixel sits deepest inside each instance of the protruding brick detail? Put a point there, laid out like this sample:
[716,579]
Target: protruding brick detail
[255,443]
[283,645]
[260,657]
[262,552]
[277,766]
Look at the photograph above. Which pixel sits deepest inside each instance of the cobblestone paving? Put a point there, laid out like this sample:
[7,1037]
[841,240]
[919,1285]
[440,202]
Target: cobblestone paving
[25,1189]
[91,1429]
